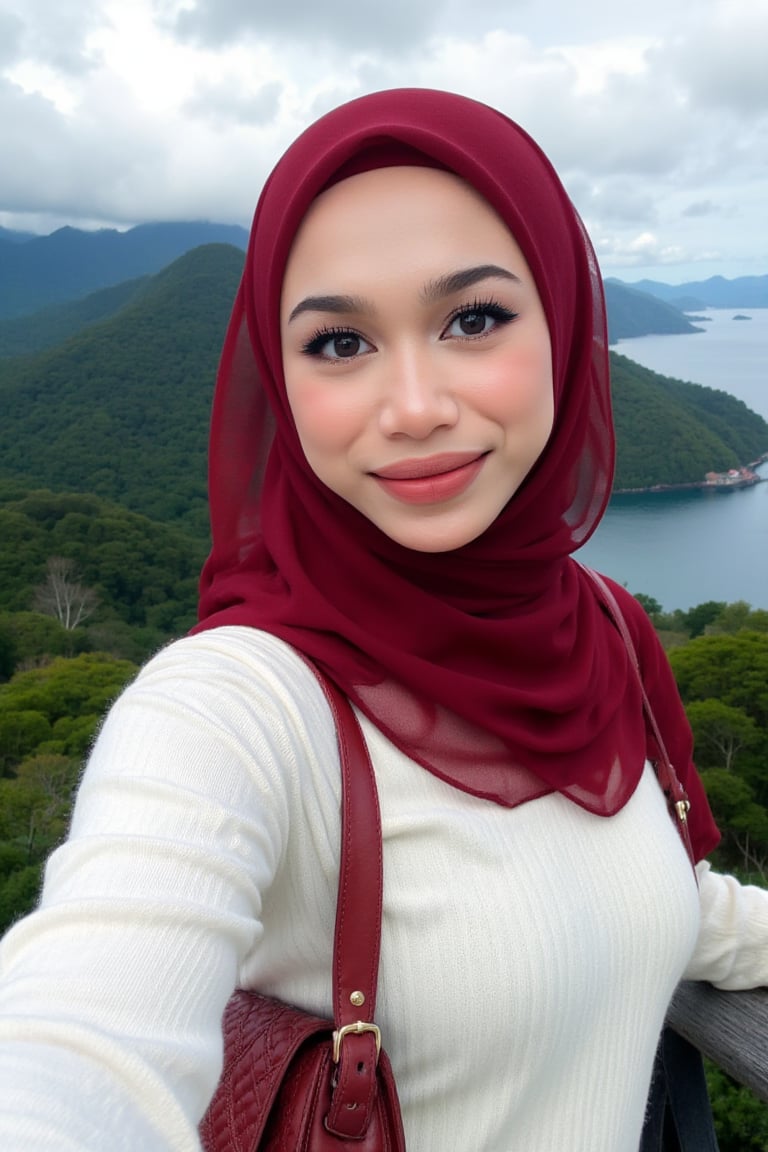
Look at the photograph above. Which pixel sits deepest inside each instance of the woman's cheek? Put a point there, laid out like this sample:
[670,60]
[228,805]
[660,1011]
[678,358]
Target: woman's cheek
[324,416]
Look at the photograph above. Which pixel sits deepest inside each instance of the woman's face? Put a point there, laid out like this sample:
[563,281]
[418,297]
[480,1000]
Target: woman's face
[416,354]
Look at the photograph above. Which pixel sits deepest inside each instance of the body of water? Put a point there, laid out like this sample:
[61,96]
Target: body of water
[727,353]
[683,548]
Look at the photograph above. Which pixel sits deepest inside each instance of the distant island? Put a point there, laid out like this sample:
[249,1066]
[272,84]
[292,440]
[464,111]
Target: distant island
[741,316]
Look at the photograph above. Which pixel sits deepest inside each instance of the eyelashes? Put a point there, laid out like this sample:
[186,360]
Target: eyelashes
[347,343]
[469,323]
[480,310]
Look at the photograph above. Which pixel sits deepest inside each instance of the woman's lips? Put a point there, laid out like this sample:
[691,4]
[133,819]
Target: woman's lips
[432,479]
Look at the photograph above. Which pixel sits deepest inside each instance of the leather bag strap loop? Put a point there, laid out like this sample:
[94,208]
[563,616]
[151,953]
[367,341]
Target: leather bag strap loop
[357,937]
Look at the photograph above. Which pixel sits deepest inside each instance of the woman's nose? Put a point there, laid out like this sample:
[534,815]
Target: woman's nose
[417,397]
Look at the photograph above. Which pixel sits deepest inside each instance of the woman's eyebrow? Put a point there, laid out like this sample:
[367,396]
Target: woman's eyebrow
[465,278]
[337,304]
[435,290]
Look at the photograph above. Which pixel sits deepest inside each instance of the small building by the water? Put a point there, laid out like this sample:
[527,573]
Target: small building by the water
[733,478]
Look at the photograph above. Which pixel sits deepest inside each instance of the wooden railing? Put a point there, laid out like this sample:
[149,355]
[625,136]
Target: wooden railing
[731,1028]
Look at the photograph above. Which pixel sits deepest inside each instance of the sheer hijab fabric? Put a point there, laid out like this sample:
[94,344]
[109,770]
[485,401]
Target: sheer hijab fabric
[493,665]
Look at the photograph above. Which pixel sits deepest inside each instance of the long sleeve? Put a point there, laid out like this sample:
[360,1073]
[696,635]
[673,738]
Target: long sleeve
[528,955]
[112,992]
[732,948]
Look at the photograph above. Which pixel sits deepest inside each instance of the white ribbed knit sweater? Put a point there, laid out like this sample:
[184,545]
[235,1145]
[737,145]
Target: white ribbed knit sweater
[528,955]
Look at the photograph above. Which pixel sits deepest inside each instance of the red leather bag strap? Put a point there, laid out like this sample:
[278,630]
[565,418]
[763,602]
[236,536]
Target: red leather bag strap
[358,926]
[677,797]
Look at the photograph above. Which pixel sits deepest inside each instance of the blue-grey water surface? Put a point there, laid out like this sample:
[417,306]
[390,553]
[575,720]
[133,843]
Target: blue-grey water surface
[683,548]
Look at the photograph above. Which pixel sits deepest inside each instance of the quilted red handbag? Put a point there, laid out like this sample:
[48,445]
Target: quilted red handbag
[293,1082]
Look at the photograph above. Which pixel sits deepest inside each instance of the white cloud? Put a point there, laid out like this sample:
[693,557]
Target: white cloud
[656,115]
[701,208]
[11,34]
[638,251]
[54,34]
[722,60]
[344,28]
[597,63]
[228,101]
[617,200]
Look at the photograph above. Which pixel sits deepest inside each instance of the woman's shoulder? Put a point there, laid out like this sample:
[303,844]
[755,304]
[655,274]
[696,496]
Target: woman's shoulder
[229,661]
[229,644]
[233,684]
[232,715]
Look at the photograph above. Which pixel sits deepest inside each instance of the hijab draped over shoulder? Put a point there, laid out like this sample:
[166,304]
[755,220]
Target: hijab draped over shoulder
[494,665]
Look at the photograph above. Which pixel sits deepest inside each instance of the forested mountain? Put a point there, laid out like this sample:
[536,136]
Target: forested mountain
[716,292]
[121,409]
[70,263]
[666,429]
[54,324]
[39,271]
[632,313]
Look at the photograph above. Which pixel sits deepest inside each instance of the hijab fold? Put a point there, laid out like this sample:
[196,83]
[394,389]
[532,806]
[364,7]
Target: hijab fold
[494,665]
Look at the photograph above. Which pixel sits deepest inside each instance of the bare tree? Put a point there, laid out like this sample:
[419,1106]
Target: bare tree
[754,860]
[62,595]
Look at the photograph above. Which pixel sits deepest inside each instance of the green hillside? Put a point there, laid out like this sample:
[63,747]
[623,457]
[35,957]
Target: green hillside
[669,432]
[632,313]
[121,409]
[53,325]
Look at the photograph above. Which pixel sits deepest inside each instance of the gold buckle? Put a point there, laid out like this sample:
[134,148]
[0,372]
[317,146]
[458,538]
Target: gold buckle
[682,808]
[360,1026]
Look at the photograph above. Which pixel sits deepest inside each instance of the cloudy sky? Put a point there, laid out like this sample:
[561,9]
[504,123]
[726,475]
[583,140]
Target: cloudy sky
[116,112]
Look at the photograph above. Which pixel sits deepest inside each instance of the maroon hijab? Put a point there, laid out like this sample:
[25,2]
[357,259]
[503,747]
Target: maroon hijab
[494,665]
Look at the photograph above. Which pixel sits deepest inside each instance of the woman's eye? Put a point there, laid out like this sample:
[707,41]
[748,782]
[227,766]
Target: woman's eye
[341,345]
[471,324]
[478,321]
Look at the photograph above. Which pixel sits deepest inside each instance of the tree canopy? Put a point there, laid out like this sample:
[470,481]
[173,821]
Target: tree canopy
[723,681]
[121,410]
[142,574]
[668,432]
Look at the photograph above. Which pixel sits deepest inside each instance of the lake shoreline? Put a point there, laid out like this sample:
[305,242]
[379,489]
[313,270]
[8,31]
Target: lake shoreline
[703,485]
[727,356]
[684,546]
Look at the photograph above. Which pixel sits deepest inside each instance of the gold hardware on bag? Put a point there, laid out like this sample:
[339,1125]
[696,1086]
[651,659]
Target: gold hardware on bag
[682,807]
[360,1026]
[358,999]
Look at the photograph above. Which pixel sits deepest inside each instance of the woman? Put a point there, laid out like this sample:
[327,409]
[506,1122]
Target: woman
[411,435]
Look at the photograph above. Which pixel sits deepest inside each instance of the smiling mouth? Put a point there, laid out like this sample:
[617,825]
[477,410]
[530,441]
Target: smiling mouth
[431,480]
